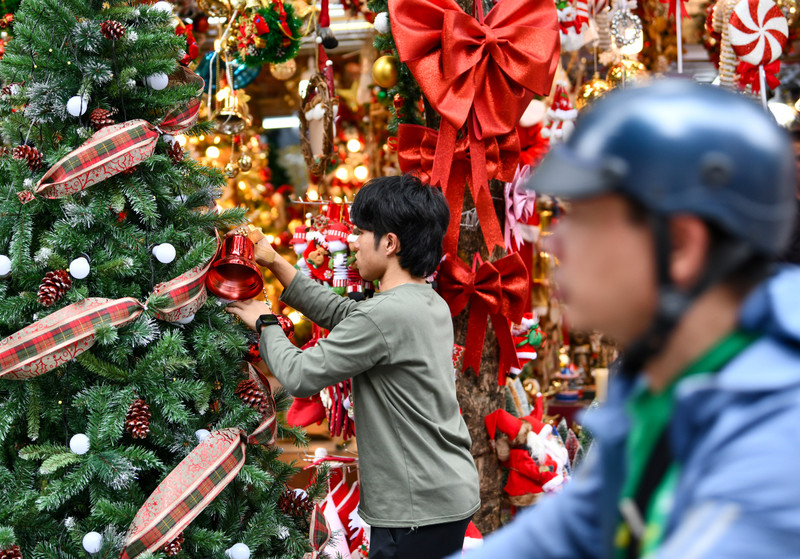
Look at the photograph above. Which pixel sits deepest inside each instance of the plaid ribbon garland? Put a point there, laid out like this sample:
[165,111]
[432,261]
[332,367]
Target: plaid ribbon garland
[186,491]
[61,336]
[117,148]
[186,294]
[319,533]
[267,431]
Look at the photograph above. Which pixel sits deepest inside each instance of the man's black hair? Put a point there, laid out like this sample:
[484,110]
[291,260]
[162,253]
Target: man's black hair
[417,213]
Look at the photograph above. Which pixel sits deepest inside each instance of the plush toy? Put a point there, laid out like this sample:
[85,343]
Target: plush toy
[533,453]
[336,236]
[300,244]
[560,118]
[355,283]
[317,257]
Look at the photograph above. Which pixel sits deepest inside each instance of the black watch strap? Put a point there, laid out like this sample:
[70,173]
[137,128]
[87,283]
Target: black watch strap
[266,320]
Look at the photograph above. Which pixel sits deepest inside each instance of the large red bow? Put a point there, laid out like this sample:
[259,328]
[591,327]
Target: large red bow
[483,72]
[416,152]
[748,74]
[496,289]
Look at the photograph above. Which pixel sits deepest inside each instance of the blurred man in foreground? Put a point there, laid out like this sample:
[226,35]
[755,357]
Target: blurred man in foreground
[682,196]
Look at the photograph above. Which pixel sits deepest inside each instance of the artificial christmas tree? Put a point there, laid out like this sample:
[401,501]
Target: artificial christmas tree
[85,195]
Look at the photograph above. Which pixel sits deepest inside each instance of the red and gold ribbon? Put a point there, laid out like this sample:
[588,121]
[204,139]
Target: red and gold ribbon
[496,290]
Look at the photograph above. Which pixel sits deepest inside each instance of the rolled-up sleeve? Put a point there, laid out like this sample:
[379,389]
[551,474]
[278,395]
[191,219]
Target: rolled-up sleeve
[317,302]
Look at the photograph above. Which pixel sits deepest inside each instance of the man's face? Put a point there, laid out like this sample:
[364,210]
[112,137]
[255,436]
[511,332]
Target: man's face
[607,268]
[371,262]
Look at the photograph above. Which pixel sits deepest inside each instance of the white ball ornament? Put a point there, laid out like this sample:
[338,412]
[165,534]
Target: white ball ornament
[5,266]
[162,7]
[381,23]
[92,542]
[79,444]
[164,253]
[77,105]
[239,551]
[202,434]
[79,268]
[186,320]
[168,138]
[157,81]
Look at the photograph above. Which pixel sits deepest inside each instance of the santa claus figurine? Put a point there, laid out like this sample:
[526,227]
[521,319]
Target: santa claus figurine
[336,235]
[560,118]
[528,337]
[533,453]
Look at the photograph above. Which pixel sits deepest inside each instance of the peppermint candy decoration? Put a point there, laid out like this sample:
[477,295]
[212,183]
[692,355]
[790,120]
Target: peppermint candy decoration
[758,31]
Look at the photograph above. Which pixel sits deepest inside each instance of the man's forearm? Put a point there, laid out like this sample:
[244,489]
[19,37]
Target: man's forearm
[282,270]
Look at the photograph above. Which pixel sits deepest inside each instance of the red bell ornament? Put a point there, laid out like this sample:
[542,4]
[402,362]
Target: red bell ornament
[234,275]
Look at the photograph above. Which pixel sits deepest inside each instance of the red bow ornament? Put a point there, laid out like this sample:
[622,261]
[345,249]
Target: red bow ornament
[479,72]
[416,153]
[748,74]
[496,289]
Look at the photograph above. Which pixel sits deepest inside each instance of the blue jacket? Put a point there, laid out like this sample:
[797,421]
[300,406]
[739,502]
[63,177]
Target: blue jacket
[736,435]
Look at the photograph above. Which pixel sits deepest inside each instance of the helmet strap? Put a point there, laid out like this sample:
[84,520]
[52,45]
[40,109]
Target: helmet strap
[673,302]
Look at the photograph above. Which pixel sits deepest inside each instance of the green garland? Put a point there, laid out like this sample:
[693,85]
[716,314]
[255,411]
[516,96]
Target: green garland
[279,48]
[406,88]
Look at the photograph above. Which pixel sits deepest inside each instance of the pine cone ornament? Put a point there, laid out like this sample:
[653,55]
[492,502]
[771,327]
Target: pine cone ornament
[250,394]
[174,547]
[12,552]
[101,118]
[295,503]
[112,30]
[53,286]
[137,420]
[175,152]
[30,154]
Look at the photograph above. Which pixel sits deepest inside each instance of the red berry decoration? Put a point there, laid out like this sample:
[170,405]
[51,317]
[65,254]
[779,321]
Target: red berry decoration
[112,30]
[30,154]
[53,287]
[253,354]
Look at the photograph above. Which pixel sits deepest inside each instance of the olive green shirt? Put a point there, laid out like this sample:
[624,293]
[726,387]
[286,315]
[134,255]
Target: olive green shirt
[414,448]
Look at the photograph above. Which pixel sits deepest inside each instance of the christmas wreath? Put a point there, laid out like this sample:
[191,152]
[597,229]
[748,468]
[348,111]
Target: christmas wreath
[269,35]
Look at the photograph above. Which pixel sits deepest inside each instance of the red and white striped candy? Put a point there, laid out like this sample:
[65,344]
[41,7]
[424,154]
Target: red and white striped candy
[758,31]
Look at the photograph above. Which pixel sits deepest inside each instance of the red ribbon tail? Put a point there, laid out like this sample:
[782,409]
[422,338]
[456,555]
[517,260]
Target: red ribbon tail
[479,187]
[476,333]
[453,187]
[508,353]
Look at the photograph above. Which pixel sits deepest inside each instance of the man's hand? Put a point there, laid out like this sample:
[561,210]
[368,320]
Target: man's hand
[249,311]
[264,253]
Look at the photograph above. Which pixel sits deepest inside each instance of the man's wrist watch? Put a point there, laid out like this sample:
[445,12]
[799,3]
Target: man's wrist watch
[266,320]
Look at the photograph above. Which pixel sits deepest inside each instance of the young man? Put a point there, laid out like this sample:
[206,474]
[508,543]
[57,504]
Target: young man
[681,195]
[419,484]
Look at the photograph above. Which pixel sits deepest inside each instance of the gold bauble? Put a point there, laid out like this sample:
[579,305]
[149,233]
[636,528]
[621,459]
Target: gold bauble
[245,163]
[259,43]
[591,91]
[630,71]
[283,70]
[384,71]
[238,4]
[789,9]
[231,170]
[214,8]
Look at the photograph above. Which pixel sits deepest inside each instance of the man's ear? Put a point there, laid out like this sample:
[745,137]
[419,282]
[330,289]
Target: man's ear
[392,244]
[691,242]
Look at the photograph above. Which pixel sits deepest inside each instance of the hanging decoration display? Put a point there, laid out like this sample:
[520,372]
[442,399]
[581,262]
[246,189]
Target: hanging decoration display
[316,115]
[456,58]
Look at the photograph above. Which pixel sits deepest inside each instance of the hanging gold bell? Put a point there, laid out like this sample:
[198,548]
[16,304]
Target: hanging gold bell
[232,117]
